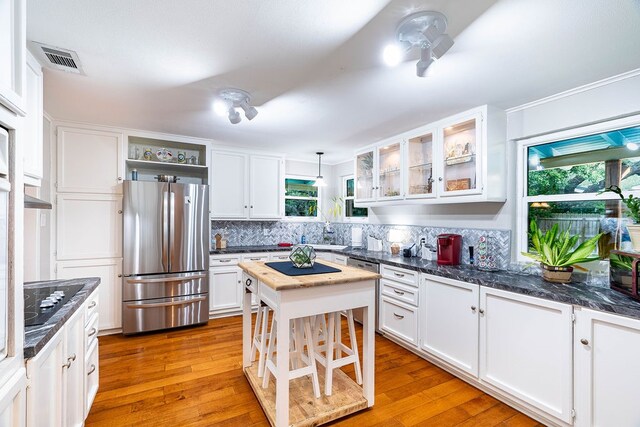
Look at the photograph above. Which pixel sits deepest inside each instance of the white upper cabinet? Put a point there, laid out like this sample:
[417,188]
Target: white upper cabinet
[12,55]
[90,161]
[32,157]
[265,187]
[246,186]
[459,159]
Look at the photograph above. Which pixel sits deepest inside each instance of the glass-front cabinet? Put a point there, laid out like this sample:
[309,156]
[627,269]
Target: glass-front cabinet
[419,166]
[389,171]
[461,156]
[365,183]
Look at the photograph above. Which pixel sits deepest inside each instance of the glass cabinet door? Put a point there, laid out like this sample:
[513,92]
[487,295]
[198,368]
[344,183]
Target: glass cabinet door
[420,166]
[460,147]
[389,172]
[364,176]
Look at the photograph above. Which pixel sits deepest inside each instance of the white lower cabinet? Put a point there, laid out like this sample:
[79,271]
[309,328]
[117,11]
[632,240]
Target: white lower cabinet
[73,371]
[526,350]
[12,400]
[327,256]
[606,349]
[449,329]
[225,290]
[399,319]
[340,259]
[279,256]
[110,290]
[92,369]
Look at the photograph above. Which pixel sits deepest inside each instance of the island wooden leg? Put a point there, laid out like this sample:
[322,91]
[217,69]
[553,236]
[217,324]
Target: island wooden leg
[246,329]
[282,378]
[368,347]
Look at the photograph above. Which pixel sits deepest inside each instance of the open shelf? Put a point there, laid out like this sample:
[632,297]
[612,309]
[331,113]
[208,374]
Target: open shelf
[147,164]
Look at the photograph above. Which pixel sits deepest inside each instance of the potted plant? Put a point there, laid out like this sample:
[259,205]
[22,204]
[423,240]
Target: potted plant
[633,212]
[556,254]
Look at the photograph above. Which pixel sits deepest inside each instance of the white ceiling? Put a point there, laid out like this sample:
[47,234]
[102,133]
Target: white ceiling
[313,67]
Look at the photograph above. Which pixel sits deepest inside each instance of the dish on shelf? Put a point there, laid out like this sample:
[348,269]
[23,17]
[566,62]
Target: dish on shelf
[164,155]
[450,161]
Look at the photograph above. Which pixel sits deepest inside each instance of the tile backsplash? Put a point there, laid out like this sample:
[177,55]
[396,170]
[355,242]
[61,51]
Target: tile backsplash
[248,233]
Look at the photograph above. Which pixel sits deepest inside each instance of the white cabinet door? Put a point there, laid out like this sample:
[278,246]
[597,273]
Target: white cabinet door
[265,187]
[12,53]
[450,322]
[89,226]
[32,154]
[327,256]
[225,290]
[90,161]
[12,401]
[91,377]
[365,176]
[340,259]
[526,349]
[399,320]
[606,380]
[44,392]
[229,198]
[110,289]
[74,397]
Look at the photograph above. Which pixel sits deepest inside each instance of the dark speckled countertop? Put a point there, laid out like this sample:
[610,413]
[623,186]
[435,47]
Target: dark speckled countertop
[580,294]
[36,337]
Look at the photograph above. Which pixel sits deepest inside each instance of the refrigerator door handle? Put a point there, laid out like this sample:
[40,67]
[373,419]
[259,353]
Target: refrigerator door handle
[167,304]
[168,279]
[165,231]
[172,227]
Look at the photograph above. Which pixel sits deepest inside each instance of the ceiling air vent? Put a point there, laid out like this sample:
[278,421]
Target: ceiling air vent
[59,59]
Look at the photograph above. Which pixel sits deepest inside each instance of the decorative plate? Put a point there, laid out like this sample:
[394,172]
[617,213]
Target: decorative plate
[164,155]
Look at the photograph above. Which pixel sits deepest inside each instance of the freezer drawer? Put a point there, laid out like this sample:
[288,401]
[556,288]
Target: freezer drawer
[163,313]
[164,285]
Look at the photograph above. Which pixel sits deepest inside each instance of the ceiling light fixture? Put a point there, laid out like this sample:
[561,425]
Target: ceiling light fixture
[319,179]
[632,146]
[229,100]
[424,30]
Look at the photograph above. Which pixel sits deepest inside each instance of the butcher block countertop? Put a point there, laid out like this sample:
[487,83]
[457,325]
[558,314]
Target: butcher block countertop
[281,282]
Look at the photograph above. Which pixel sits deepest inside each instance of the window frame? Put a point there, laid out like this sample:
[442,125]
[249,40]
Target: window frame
[343,195]
[315,218]
[523,144]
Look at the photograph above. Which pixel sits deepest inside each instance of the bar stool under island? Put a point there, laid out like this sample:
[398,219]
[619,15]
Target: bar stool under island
[299,297]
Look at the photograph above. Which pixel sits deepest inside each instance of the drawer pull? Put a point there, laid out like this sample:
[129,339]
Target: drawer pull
[398,316]
[93,304]
[398,274]
[92,333]
[481,311]
[92,369]
[398,292]
[248,282]
[255,259]
[473,308]
[67,365]
[584,341]
[167,304]
[224,260]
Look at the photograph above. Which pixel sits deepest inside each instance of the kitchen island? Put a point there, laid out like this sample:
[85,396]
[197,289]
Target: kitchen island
[292,297]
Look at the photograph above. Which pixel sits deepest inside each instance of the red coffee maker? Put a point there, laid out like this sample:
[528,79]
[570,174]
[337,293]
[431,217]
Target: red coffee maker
[449,249]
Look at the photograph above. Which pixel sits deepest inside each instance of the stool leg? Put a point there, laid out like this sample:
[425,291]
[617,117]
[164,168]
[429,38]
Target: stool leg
[263,341]
[338,335]
[270,350]
[312,359]
[330,341]
[256,329]
[354,345]
[299,343]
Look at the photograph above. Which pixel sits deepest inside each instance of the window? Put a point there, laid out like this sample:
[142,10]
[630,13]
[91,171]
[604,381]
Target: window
[301,198]
[351,213]
[562,180]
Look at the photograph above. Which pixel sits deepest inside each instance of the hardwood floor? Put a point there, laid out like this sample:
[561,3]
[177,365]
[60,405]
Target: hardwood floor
[194,377]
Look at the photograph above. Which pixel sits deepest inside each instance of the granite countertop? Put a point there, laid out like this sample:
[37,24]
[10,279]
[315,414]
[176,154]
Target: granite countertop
[577,293]
[36,337]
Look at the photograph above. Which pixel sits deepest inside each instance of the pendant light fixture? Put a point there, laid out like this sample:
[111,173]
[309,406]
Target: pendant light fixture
[319,179]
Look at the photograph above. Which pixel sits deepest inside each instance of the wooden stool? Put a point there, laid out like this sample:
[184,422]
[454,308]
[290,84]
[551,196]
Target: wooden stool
[303,364]
[333,344]
[260,337]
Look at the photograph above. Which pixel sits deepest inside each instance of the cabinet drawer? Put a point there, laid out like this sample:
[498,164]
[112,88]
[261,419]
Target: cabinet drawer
[255,257]
[340,259]
[327,256]
[400,292]
[280,256]
[250,283]
[401,275]
[91,332]
[91,378]
[223,260]
[91,306]
[399,319]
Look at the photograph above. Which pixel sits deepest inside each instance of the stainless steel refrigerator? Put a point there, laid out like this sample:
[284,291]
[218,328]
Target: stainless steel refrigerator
[166,255]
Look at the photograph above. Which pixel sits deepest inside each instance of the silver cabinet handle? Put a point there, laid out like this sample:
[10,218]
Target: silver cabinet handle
[119,275]
[255,259]
[398,316]
[120,211]
[67,365]
[224,260]
[251,206]
[248,282]
[440,179]
[167,304]
[473,308]
[72,358]
[92,332]
[92,369]
[399,274]
[584,341]
[93,304]
[167,279]
[119,178]
[481,311]
[398,292]
[245,206]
